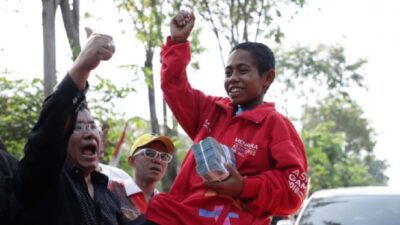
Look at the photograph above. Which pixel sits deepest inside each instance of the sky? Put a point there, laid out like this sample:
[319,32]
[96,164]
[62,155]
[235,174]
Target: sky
[366,28]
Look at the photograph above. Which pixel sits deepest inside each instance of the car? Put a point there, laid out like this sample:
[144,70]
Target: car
[368,205]
[282,220]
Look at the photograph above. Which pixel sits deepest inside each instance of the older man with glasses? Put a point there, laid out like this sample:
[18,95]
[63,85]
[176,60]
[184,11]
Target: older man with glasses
[56,182]
[148,158]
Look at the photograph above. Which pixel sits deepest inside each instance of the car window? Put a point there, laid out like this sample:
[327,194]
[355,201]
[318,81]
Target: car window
[352,210]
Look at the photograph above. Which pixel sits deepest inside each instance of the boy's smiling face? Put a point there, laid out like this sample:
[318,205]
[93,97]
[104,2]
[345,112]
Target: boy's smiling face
[243,83]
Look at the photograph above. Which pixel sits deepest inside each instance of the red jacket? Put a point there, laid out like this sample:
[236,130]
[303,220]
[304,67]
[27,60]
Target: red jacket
[268,151]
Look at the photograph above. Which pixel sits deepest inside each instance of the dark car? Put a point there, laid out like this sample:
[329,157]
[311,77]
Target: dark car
[352,206]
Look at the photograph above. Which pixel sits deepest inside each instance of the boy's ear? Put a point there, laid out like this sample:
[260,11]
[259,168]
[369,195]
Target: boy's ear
[269,77]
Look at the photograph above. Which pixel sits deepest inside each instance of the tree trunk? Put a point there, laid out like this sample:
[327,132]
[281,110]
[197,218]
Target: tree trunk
[172,170]
[49,45]
[148,65]
[71,24]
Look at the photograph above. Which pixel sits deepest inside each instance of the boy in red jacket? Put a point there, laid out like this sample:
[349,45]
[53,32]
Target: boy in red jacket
[270,178]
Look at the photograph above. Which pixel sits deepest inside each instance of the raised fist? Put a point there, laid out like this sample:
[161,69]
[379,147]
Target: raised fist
[182,25]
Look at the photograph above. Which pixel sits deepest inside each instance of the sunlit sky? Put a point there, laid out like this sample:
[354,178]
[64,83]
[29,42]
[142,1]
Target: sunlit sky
[366,28]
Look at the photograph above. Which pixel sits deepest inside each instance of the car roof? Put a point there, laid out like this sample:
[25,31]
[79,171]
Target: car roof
[357,191]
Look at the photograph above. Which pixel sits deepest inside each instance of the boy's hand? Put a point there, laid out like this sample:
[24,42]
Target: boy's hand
[181,26]
[232,186]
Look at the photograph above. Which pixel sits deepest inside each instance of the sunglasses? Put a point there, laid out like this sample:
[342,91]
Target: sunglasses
[154,154]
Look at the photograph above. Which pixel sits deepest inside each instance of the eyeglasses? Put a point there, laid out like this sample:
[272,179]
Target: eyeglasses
[153,154]
[81,128]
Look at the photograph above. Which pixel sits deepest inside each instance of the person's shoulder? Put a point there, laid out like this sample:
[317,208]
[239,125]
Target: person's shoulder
[222,102]
[273,113]
[278,120]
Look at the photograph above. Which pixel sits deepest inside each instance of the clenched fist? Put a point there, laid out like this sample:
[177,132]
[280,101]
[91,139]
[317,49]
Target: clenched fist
[181,26]
[98,47]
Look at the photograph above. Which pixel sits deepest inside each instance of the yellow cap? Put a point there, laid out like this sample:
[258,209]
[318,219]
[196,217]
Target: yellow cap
[146,139]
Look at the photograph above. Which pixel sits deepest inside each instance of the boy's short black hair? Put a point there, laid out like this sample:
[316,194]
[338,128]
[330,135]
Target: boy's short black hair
[261,53]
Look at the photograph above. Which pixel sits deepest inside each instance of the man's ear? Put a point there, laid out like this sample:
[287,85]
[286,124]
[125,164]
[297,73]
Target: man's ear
[131,161]
[269,77]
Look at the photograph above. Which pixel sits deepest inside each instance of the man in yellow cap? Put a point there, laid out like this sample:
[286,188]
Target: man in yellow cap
[149,157]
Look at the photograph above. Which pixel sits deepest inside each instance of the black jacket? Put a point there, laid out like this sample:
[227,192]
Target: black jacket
[8,166]
[50,190]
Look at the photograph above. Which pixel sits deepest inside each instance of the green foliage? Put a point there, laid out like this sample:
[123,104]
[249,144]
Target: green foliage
[348,117]
[21,101]
[195,46]
[376,169]
[75,51]
[353,171]
[101,102]
[20,104]
[87,15]
[147,18]
[339,145]
[324,150]
[323,68]
[148,75]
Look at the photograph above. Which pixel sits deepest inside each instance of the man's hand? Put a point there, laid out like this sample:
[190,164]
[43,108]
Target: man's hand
[232,186]
[181,26]
[98,47]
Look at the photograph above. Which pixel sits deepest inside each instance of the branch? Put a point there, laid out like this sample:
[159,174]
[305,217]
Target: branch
[215,30]
[71,25]
[259,20]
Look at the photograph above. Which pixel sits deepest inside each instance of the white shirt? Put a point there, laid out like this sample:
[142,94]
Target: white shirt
[113,173]
[116,174]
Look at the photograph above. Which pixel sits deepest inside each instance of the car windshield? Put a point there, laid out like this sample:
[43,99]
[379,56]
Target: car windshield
[352,210]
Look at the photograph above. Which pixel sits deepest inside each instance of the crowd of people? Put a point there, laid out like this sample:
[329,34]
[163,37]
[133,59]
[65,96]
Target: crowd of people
[61,180]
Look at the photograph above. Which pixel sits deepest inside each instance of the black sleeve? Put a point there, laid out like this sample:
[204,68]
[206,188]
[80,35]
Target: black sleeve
[8,164]
[45,151]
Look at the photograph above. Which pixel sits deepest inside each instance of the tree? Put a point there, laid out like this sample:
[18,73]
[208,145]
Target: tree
[322,69]
[307,74]
[70,13]
[20,104]
[21,101]
[323,151]
[49,45]
[339,144]
[102,101]
[348,117]
[147,17]
[238,21]
[324,66]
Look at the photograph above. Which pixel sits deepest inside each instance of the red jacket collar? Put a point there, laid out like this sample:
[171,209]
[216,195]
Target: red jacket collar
[255,115]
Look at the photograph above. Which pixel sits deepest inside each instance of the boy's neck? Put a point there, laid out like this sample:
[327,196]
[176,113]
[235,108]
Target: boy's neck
[240,109]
